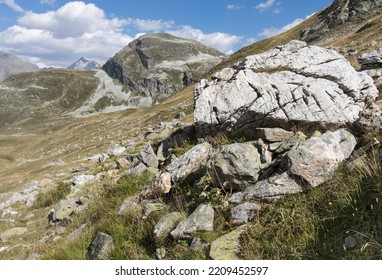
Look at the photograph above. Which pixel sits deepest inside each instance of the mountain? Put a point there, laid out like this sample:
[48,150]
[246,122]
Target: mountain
[155,66]
[11,64]
[84,64]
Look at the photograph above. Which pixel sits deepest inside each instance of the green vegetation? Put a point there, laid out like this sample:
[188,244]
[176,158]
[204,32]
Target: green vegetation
[52,196]
[315,224]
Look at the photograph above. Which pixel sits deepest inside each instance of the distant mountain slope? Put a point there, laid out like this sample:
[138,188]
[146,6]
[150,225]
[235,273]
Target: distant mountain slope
[11,64]
[158,65]
[84,64]
[36,97]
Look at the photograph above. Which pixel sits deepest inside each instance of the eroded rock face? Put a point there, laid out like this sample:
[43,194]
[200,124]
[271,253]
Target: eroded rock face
[294,84]
[371,60]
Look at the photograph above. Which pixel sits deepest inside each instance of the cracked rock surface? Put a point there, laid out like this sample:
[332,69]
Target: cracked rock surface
[290,85]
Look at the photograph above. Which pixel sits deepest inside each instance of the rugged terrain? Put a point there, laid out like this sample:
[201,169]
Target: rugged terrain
[274,156]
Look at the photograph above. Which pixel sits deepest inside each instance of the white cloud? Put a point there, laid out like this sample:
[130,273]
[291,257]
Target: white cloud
[265,5]
[233,7]
[221,41]
[11,4]
[60,37]
[49,2]
[273,31]
[150,25]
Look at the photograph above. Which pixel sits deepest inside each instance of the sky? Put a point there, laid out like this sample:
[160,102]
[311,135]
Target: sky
[56,32]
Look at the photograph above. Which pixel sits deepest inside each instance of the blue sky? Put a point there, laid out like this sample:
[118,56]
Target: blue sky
[58,32]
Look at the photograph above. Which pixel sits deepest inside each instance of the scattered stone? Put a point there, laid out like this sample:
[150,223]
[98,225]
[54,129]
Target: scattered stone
[199,245]
[77,232]
[272,188]
[148,156]
[236,166]
[160,186]
[65,208]
[180,115]
[160,253]
[227,247]
[273,134]
[288,144]
[31,187]
[82,180]
[163,151]
[129,204]
[244,213]
[99,158]
[13,232]
[316,159]
[116,151]
[100,247]
[137,169]
[9,212]
[371,59]
[193,161]
[151,207]
[28,217]
[122,163]
[166,224]
[202,219]
[350,242]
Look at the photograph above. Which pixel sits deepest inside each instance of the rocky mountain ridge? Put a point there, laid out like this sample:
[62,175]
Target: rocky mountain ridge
[158,65]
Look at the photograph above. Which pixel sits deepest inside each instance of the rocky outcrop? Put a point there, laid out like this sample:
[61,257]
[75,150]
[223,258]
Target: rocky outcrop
[340,12]
[371,60]
[294,84]
[100,247]
[158,65]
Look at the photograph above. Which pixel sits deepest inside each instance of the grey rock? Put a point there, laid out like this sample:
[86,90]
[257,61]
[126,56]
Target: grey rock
[122,163]
[33,257]
[129,204]
[273,134]
[77,232]
[244,213]
[371,59]
[148,156]
[65,208]
[116,151]
[198,244]
[236,166]
[193,161]
[12,199]
[160,186]
[9,212]
[288,144]
[316,159]
[163,151]
[202,219]
[286,86]
[160,253]
[227,247]
[151,207]
[166,224]
[272,188]
[82,180]
[350,242]
[265,153]
[99,158]
[13,232]
[100,247]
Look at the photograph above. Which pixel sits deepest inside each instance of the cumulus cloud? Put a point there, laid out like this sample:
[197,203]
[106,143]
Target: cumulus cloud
[233,7]
[221,41]
[62,36]
[273,31]
[265,5]
[12,4]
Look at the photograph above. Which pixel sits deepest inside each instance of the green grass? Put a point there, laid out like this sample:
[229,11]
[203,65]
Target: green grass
[314,224]
[52,196]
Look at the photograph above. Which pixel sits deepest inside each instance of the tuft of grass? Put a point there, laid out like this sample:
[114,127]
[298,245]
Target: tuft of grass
[315,224]
[51,197]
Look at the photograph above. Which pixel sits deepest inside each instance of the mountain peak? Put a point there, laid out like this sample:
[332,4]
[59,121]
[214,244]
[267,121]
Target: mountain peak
[84,64]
